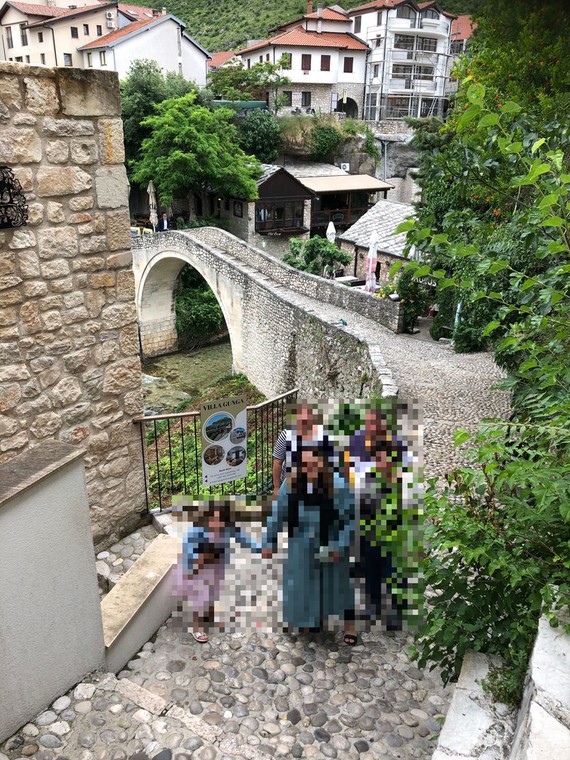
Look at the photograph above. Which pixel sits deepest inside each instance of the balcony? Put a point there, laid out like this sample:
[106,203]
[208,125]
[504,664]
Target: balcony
[407,84]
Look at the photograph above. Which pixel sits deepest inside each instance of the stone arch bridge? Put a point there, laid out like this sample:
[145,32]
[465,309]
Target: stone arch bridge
[287,328]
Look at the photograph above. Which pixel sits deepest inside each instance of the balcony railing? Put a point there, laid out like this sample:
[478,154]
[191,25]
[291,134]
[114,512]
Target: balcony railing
[172,453]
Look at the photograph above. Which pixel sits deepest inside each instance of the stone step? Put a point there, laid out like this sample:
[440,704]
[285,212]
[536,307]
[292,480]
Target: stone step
[139,603]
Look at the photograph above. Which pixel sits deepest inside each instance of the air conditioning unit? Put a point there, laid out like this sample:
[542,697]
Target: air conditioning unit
[345,167]
[110,24]
[109,14]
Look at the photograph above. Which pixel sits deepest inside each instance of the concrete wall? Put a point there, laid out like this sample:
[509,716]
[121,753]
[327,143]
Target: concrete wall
[69,363]
[275,342]
[52,633]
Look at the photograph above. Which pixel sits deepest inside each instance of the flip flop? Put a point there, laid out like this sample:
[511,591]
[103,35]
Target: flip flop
[200,636]
[350,640]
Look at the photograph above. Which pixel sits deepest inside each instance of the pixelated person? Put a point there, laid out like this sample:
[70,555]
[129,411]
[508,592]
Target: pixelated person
[376,459]
[205,555]
[306,425]
[317,505]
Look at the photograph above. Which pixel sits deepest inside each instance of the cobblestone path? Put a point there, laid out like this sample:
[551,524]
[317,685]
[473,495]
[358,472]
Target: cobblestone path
[268,694]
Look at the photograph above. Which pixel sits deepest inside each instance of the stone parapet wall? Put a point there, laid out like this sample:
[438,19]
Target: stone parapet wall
[386,313]
[70,368]
[275,341]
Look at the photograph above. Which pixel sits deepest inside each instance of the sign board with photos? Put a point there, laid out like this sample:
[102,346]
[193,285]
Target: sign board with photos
[224,440]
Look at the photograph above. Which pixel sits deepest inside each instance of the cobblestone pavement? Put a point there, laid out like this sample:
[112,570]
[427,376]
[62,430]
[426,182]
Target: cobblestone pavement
[258,695]
[119,557]
[245,696]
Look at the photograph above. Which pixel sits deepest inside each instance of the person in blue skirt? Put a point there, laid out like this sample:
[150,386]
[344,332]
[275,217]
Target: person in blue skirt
[317,505]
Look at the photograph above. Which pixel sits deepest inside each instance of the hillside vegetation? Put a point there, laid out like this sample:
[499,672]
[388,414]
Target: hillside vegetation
[228,25]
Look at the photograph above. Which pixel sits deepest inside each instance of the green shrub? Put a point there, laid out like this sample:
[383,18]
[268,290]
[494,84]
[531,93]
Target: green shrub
[325,142]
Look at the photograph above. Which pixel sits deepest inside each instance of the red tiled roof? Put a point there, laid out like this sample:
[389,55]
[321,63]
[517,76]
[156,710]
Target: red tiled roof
[70,12]
[462,28]
[32,9]
[137,12]
[300,38]
[112,37]
[218,59]
[328,14]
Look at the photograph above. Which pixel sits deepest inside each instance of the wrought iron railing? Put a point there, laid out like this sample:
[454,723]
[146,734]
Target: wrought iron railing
[172,453]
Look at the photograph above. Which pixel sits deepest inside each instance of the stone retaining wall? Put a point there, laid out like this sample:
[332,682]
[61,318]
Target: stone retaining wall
[70,368]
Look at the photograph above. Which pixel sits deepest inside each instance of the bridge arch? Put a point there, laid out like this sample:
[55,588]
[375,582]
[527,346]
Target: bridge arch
[155,300]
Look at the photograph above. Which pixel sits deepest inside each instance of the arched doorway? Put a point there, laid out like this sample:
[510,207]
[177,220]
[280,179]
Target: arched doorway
[350,108]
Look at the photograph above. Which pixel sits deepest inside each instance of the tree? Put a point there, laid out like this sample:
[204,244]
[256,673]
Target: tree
[198,313]
[261,81]
[142,89]
[316,256]
[325,141]
[192,149]
[260,134]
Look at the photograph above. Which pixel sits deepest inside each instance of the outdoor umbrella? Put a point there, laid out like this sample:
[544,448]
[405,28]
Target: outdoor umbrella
[371,261]
[153,216]
[331,237]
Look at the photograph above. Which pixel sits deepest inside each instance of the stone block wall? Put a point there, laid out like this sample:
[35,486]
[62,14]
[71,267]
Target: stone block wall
[386,260]
[69,363]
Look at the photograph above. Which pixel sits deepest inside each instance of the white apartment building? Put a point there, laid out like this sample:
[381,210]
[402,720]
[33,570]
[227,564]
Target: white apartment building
[325,62]
[408,66]
[105,35]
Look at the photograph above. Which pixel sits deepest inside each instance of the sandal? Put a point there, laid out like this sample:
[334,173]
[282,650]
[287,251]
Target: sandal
[200,636]
[350,640]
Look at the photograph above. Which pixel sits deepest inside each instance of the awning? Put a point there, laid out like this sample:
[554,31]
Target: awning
[344,183]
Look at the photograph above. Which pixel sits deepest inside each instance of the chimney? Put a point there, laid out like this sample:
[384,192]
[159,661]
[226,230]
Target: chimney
[319,18]
[309,7]
[164,10]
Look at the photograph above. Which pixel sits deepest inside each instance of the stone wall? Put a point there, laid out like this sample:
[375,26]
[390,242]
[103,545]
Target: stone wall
[70,368]
[385,260]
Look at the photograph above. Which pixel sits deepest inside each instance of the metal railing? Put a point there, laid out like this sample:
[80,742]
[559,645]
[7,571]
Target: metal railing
[172,453]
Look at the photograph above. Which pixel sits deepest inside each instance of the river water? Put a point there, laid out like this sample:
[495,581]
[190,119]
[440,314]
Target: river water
[170,380]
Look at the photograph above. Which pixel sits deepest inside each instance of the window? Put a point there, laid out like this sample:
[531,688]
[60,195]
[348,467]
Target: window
[456,48]
[406,12]
[305,99]
[285,61]
[85,28]
[424,72]
[67,59]
[260,59]
[428,44]
[287,98]
[325,63]
[99,30]
[43,59]
[403,42]
[102,58]
[402,70]
[348,65]
[40,36]
[377,42]
[278,215]
[74,33]
[249,63]
[357,24]
[306,62]
[23,34]
[9,40]
[238,208]
[19,59]
[379,18]
[267,57]
[430,13]
[90,60]
[27,59]
[376,71]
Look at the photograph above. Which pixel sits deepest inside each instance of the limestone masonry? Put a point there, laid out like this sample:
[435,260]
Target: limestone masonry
[69,363]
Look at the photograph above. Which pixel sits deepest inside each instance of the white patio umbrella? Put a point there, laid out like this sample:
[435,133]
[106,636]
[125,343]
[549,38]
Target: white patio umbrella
[331,237]
[153,215]
[371,261]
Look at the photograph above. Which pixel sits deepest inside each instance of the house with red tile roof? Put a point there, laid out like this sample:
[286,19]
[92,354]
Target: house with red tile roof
[408,67]
[325,62]
[103,35]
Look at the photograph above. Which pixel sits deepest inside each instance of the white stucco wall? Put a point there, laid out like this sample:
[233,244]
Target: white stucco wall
[50,617]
